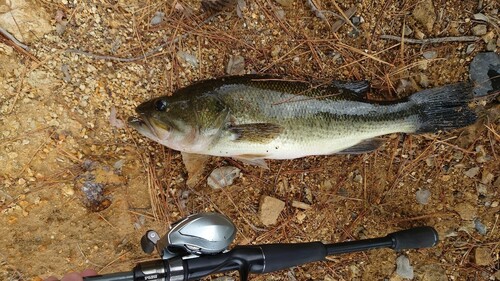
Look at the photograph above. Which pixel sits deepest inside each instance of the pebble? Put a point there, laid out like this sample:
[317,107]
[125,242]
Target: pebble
[429,55]
[424,14]
[223,177]
[430,161]
[235,65]
[470,49]
[482,69]
[487,178]
[157,18]
[472,172]
[280,13]
[479,30]
[497,182]
[423,196]
[482,189]
[403,267]
[424,80]
[480,16]
[65,71]
[187,58]
[407,31]
[480,227]
[491,46]
[482,256]
[358,178]
[301,205]
[270,209]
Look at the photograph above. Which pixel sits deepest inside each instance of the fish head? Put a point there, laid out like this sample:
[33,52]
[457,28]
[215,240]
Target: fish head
[182,123]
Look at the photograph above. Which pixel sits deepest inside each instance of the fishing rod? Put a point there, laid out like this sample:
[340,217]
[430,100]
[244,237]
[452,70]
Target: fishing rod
[197,246]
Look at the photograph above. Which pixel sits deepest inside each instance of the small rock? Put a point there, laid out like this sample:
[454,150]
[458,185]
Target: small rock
[187,58]
[470,49]
[423,196]
[494,204]
[482,189]
[480,227]
[223,176]
[114,121]
[280,13]
[479,30]
[270,209]
[482,256]
[429,55]
[65,71]
[491,46]
[488,37]
[424,82]
[480,16]
[497,182]
[466,211]
[275,51]
[458,155]
[497,275]
[407,31]
[301,216]
[301,205]
[236,65]
[430,161]
[403,267]
[357,20]
[358,178]
[157,18]
[472,172]
[484,71]
[424,14]
[487,178]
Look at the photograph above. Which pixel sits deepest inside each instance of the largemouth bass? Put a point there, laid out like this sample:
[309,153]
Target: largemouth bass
[256,117]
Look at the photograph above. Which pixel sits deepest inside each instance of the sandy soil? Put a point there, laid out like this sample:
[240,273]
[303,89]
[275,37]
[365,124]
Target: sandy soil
[59,135]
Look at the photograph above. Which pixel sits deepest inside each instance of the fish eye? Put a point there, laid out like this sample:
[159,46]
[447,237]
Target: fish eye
[161,105]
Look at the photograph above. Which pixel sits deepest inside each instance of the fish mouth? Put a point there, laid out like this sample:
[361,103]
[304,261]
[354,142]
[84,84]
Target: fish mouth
[142,125]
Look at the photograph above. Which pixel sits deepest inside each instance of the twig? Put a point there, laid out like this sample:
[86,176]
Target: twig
[431,40]
[13,39]
[338,24]
[315,10]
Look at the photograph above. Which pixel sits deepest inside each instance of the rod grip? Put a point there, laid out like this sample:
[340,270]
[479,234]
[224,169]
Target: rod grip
[414,238]
[281,256]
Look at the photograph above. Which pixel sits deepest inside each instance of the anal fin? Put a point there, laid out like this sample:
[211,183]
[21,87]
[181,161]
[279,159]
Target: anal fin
[363,147]
[254,160]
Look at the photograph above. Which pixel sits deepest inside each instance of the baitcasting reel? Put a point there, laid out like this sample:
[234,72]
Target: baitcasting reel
[200,234]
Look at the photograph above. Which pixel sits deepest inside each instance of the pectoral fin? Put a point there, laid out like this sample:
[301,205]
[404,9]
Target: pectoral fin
[256,132]
[363,147]
[195,165]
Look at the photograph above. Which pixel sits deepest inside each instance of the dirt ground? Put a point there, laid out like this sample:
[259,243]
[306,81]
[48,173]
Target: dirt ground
[89,63]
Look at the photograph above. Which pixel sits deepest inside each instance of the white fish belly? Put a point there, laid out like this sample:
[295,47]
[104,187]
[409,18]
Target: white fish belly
[287,148]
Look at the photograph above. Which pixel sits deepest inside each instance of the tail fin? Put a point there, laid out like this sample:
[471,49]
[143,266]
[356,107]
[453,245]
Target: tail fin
[444,108]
